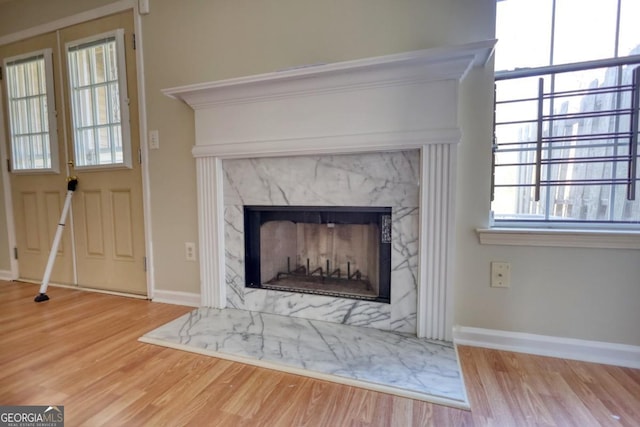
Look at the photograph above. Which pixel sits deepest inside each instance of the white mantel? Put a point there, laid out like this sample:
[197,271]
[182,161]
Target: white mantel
[390,103]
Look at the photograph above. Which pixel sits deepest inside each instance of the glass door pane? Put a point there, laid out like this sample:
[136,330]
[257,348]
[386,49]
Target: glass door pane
[98,101]
[30,105]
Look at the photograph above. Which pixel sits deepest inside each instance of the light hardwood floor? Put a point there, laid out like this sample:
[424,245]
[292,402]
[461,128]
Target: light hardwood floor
[80,350]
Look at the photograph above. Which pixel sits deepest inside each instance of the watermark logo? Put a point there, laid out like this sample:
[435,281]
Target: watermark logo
[32,416]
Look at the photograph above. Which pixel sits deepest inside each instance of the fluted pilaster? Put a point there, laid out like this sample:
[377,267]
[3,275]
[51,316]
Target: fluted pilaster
[211,231]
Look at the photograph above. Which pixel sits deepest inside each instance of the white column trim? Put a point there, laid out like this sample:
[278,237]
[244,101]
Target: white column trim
[435,267]
[211,231]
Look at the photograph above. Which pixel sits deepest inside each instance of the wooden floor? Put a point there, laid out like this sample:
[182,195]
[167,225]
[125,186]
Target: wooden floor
[80,350]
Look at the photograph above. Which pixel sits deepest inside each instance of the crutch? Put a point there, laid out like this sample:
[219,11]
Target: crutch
[72,183]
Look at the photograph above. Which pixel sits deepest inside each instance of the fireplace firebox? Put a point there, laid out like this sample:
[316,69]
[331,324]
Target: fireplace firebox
[336,251]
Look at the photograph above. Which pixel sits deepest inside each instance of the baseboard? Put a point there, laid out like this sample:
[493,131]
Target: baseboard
[6,275]
[175,297]
[542,345]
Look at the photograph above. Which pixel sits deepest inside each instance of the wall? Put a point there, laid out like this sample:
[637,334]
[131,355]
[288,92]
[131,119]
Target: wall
[591,294]
[17,15]
[197,41]
[580,293]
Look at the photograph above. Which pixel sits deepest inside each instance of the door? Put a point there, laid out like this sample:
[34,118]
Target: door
[104,150]
[36,146]
[97,106]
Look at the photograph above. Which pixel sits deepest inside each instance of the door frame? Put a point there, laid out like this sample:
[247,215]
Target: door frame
[8,200]
[110,9]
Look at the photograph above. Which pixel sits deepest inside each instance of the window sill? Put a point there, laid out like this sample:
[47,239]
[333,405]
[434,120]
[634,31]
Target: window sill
[603,239]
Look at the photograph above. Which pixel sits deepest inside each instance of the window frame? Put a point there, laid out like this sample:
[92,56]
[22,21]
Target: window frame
[570,225]
[632,61]
[47,55]
[125,128]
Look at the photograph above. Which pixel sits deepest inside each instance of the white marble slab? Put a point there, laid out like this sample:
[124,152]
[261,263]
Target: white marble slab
[371,179]
[377,179]
[380,360]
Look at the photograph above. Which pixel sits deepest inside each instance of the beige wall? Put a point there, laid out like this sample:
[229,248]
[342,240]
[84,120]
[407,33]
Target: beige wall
[195,41]
[580,293]
[591,294]
[17,15]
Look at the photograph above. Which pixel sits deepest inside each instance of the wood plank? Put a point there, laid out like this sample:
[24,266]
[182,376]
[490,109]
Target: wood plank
[80,350]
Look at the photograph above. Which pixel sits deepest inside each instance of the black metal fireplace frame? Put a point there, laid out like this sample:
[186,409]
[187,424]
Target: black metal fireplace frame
[255,216]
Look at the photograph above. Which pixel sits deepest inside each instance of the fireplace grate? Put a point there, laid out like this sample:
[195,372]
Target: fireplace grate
[305,272]
[322,281]
[299,287]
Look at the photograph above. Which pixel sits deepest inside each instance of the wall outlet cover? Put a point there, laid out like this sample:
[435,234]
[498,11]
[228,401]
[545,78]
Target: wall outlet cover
[500,274]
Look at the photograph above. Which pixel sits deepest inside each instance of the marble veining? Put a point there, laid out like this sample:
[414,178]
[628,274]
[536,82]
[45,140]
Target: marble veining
[374,179]
[399,361]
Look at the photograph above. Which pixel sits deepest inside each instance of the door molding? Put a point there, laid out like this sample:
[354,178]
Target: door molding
[144,148]
[11,274]
[110,9]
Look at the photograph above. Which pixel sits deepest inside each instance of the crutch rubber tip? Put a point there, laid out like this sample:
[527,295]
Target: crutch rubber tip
[41,297]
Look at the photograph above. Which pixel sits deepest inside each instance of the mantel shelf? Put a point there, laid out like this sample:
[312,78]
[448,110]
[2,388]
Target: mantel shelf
[442,63]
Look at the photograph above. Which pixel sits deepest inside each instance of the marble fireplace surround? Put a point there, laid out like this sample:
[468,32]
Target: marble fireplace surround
[405,102]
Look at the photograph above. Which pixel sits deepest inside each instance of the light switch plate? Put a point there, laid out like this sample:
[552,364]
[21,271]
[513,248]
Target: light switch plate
[154,140]
[143,7]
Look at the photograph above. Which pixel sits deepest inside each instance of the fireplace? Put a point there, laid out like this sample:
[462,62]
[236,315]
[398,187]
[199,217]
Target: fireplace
[335,251]
[350,199]
[386,106]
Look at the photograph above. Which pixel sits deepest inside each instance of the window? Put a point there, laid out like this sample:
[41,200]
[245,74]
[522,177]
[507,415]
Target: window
[566,113]
[32,121]
[99,103]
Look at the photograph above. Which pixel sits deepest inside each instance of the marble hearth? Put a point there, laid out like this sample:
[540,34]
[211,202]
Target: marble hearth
[388,362]
[384,130]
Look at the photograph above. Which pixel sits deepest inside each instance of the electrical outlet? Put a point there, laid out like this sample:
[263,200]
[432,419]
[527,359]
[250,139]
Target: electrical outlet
[190,251]
[500,274]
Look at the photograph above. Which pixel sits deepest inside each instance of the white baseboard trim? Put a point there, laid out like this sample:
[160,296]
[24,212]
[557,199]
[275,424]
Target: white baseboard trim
[7,275]
[543,345]
[175,297]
